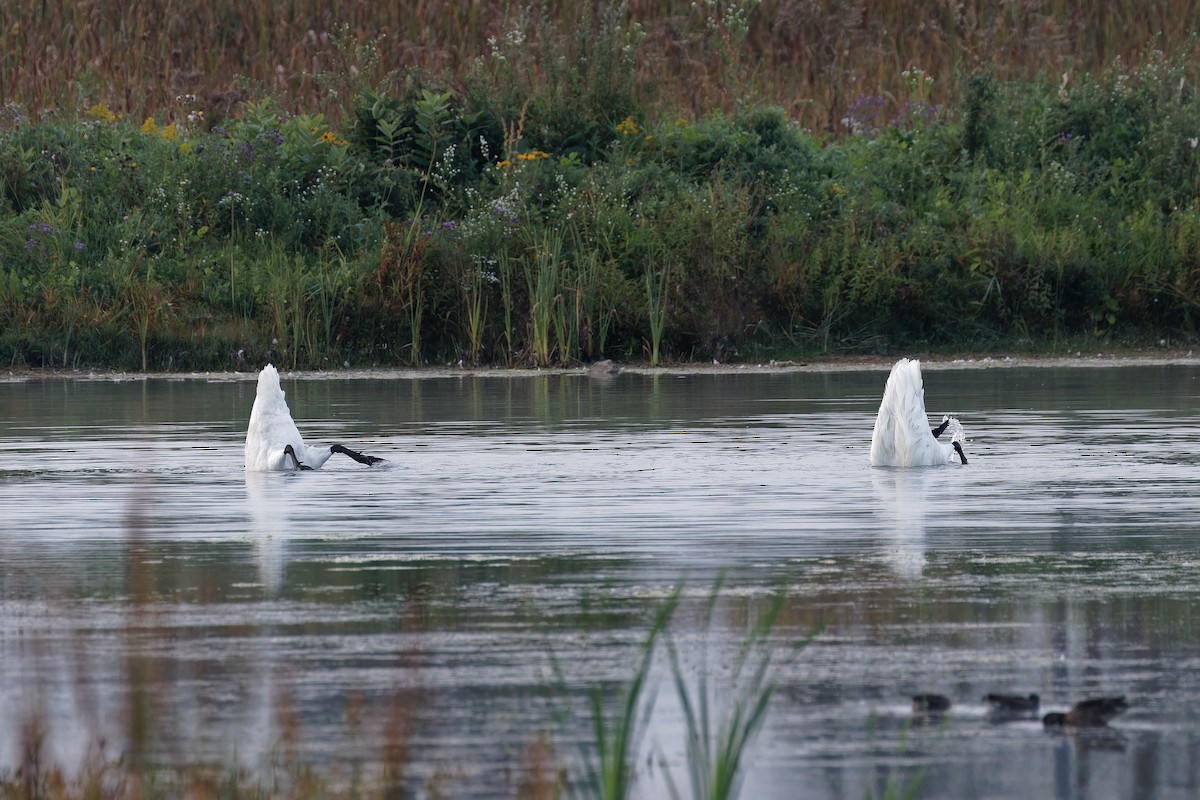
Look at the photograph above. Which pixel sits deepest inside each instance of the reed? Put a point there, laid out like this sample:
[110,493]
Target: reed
[543,267]
[657,285]
[609,764]
[475,307]
[722,721]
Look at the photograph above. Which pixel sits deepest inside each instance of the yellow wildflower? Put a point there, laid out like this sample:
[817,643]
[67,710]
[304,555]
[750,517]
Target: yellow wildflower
[627,127]
[329,137]
[100,111]
[169,133]
[504,164]
[185,148]
[525,156]
[540,154]
[836,189]
[149,128]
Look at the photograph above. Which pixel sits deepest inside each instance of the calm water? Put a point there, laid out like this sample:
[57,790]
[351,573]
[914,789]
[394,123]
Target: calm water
[523,522]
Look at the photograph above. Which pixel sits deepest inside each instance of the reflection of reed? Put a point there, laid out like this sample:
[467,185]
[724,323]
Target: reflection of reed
[901,502]
[143,672]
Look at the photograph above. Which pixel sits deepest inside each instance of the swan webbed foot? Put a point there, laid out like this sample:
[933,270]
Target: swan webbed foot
[289,451]
[940,429]
[961,454]
[357,456]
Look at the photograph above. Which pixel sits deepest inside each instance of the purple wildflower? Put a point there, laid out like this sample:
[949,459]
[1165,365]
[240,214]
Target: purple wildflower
[79,245]
[271,135]
[865,114]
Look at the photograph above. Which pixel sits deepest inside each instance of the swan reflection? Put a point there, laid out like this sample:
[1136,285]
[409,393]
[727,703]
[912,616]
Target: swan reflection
[901,496]
[267,503]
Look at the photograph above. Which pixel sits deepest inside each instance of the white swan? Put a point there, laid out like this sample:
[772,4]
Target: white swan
[272,441]
[902,437]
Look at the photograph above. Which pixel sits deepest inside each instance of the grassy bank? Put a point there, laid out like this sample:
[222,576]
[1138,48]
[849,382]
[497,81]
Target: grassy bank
[555,200]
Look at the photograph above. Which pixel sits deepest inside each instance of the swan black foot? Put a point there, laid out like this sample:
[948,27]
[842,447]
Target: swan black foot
[288,451]
[359,457]
[961,454]
[940,429]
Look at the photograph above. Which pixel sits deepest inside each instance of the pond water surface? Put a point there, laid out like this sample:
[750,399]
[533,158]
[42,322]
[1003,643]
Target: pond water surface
[464,597]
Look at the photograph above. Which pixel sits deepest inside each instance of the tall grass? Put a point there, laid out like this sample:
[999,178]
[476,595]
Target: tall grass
[811,58]
[722,720]
[610,768]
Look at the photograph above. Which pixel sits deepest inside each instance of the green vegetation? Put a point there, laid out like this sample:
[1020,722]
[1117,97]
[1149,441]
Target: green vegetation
[722,718]
[556,200]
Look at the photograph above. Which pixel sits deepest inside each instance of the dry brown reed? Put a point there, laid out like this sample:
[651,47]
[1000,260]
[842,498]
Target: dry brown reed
[812,57]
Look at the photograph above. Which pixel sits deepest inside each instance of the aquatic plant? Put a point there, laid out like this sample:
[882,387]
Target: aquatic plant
[609,764]
[723,717]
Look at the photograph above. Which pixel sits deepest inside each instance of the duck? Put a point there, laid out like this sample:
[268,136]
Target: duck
[274,444]
[1012,703]
[1092,713]
[902,436]
[930,703]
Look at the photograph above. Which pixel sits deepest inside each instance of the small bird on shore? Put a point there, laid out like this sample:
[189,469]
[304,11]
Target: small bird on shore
[272,441]
[1093,713]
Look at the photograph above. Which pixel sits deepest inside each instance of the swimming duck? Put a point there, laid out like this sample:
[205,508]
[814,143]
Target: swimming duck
[1092,713]
[1012,703]
[930,703]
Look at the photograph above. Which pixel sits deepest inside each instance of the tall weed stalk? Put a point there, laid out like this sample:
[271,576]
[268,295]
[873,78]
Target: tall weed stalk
[543,268]
[609,765]
[722,721]
[657,280]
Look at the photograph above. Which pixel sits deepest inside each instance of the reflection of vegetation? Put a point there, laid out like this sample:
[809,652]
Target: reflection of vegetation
[717,745]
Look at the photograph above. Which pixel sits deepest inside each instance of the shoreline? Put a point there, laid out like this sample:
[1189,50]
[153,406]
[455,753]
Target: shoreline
[816,365]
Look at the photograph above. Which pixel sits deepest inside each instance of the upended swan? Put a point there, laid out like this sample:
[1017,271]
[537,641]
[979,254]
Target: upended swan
[272,441]
[902,436]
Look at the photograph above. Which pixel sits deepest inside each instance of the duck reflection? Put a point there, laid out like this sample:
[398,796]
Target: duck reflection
[900,495]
